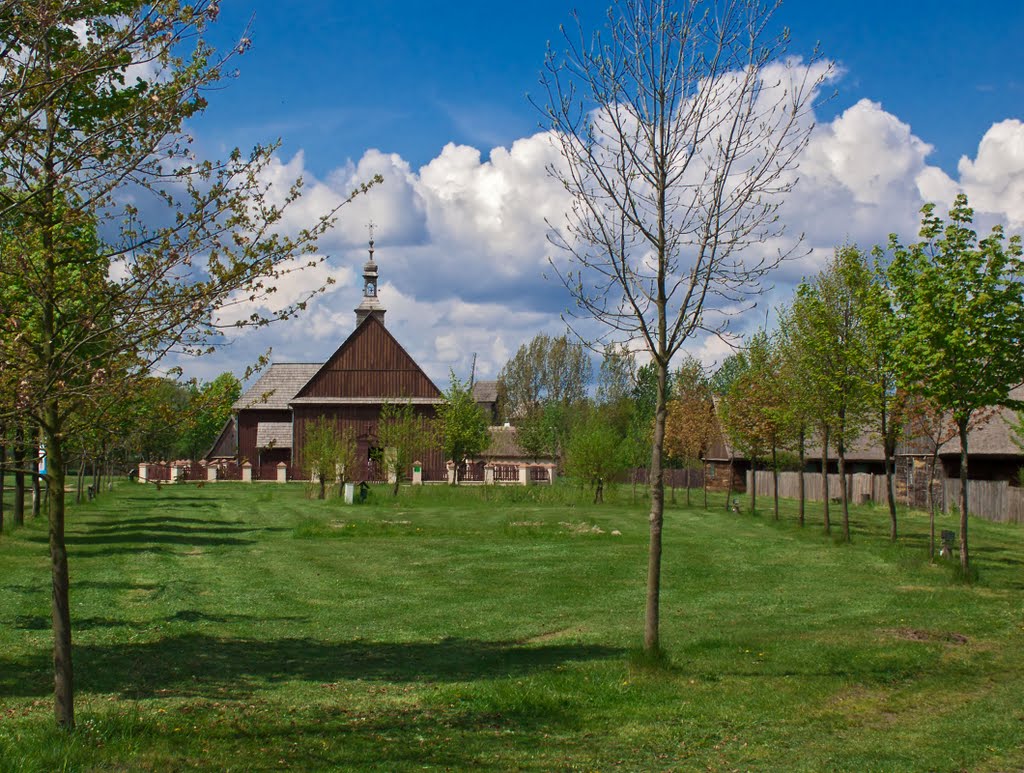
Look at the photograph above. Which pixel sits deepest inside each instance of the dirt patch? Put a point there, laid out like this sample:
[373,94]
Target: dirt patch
[918,634]
[552,635]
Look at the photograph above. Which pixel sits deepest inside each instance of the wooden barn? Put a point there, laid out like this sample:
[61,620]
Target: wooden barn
[369,369]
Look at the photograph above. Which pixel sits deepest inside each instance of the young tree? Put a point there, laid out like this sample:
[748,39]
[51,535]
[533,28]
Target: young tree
[799,405]
[593,453]
[828,318]
[403,433]
[677,124]
[752,412]
[96,96]
[887,400]
[209,407]
[462,423]
[327,454]
[690,424]
[545,370]
[960,306]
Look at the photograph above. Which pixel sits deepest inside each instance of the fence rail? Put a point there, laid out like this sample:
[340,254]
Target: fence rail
[993,500]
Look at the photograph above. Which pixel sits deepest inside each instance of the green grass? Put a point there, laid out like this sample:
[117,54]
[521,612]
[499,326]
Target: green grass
[236,627]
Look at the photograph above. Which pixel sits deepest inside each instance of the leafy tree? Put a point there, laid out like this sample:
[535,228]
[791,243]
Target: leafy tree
[594,453]
[327,454]
[887,400]
[403,433]
[828,318]
[727,372]
[545,370]
[95,97]
[691,422]
[801,400]
[958,303]
[753,411]
[463,424]
[209,408]
[616,382]
[544,430]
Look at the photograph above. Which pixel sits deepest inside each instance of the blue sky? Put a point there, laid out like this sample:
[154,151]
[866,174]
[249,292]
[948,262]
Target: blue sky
[335,78]
[432,96]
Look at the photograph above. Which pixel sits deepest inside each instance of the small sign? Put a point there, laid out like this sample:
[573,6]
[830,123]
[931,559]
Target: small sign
[42,459]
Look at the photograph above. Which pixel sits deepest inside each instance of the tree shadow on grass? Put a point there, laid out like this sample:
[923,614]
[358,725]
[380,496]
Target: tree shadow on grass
[190,616]
[197,665]
[144,540]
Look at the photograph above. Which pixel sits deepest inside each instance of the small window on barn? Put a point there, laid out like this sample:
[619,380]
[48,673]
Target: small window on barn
[711,470]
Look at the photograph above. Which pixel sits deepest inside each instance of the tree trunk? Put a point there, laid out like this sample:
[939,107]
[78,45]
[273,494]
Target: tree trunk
[19,475]
[323,487]
[3,473]
[775,481]
[704,482]
[889,448]
[651,617]
[687,486]
[824,481]
[728,491]
[889,493]
[801,479]
[80,486]
[599,492]
[964,561]
[63,673]
[930,502]
[37,495]
[844,494]
[753,486]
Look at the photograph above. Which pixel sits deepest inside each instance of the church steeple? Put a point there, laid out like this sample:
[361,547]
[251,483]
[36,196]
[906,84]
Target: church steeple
[371,303]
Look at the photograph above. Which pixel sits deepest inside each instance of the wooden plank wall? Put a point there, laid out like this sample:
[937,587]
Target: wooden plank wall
[993,500]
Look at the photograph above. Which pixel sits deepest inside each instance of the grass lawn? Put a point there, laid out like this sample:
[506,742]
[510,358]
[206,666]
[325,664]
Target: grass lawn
[236,627]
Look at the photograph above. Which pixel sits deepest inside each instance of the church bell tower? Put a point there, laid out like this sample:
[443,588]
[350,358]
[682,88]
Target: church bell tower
[370,305]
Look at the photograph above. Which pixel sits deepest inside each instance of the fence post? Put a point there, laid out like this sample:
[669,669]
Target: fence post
[524,475]
[451,472]
[247,472]
[417,474]
[551,473]
[488,474]
[175,473]
[211,472]
[143,472]
[282,472]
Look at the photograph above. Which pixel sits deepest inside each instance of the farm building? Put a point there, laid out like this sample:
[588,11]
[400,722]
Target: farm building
[369,369]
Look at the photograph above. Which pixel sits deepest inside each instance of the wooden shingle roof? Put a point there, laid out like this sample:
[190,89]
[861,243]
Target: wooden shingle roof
[277,386]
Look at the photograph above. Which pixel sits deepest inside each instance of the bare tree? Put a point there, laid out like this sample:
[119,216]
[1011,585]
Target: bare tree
[679,125]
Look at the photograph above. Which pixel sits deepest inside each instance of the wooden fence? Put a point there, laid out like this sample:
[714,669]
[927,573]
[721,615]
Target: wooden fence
[993,500]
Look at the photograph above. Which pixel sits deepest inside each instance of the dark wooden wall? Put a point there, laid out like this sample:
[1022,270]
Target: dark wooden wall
[247,421]
[371,363]
[362,419]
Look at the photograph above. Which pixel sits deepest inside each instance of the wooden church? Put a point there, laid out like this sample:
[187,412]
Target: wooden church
[369,369]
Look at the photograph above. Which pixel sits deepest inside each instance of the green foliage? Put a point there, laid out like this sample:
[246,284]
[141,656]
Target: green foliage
[545,370]
[462,423]
[404,434]
[594,453]
[730,369]
[960,307]
[328,454]
[691,424]
[542,432]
